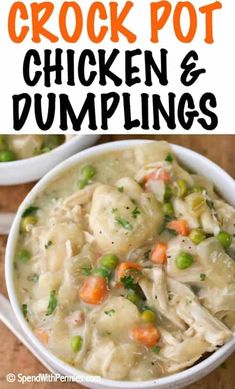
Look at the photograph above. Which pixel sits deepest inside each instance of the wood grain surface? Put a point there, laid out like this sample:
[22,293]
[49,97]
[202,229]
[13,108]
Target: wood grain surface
[14,357]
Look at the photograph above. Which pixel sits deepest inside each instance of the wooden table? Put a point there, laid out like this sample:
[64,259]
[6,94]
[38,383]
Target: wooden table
[13,355]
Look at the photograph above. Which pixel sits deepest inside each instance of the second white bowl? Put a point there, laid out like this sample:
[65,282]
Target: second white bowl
[31,169]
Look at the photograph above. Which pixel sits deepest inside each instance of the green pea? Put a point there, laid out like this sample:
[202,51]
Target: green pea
[53,141]
[109,261]
[44,150]
[184,260]
[148,316]
[88,172]
[168,209]
[182,188]
[134,297]
[197,189]
[76,343]
[82,184]
[27,222]
[197,235]
[3,142]
[168,193]
[7,156]
[101,272]
[225,239]
[23,255]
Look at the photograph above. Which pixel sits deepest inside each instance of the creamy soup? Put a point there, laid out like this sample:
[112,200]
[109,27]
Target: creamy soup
[14,147]
[124,265]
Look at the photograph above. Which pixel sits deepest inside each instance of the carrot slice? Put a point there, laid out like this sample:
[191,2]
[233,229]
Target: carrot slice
[161,175]
[164,176]
[42,335]
[159,253]
[147,334]
[180,226]
[123,268]
[94,290]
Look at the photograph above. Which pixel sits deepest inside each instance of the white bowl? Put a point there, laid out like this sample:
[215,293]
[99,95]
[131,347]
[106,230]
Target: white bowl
[31,169]
[226,187]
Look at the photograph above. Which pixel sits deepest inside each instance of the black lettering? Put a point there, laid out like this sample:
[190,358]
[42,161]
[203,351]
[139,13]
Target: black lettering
[150,65]
[211,99]
[86,55]
[129,122]
[47,123]
[57,68]
[188,67]
[31,55]
[107,112]
[186,99]
[158,108]
[105,65]
[66,110]
[130,69]
[19,119]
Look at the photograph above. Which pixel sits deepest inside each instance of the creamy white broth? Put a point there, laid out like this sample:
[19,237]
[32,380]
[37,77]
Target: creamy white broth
[165,295]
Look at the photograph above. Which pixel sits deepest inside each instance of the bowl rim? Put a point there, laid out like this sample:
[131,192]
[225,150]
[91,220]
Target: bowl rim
[39,158]
[212,361]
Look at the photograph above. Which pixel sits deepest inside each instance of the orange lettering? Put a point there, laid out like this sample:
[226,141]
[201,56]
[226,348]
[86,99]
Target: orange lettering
[157,23]
[39,22]
[192,24]
[18,6]
[63,25]
[96,7]
[208,11]
[117,22]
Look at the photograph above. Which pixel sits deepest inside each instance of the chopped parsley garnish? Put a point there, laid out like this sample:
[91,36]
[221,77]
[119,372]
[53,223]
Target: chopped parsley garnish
[25,310]
[167,219]
[33,278]
[52,303]
[110,312]
[169,158]
[135,213]
[147,308]
[172,232]
[49,243]
[102,272]
[114,210]
[120,189]
[129,282]
[86,271]
[147,254]
[134,271]
[30,211]
[202,277]
[124,223]
[156,349]
[210,204]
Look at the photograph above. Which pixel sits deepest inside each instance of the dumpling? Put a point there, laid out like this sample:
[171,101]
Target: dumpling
[25,145]
[226,215]
[220,268]
[66,239]
[119,222]
[182,211]
[205,183]
[151,152]
[175,246]
[117,317]
[111,361]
